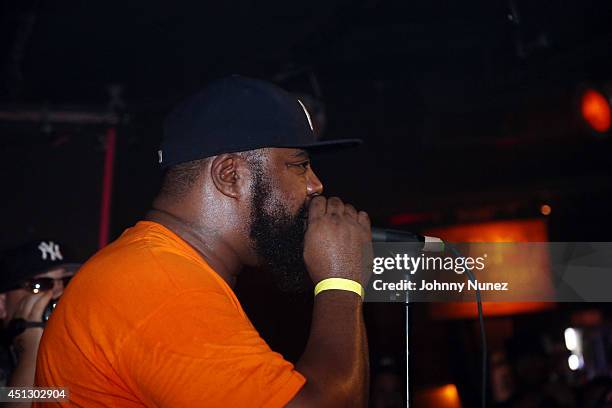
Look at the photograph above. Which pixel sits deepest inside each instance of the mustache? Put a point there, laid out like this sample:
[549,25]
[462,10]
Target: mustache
[302,216]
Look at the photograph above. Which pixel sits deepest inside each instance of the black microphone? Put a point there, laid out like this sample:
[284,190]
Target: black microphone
[430,244]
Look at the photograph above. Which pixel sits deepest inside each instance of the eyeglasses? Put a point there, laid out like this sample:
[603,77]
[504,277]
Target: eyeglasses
[37,285]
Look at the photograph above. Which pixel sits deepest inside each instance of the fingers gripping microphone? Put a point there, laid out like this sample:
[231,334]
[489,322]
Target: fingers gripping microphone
[430,244]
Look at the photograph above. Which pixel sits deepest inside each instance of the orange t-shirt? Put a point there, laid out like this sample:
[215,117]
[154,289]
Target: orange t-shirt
[146,322]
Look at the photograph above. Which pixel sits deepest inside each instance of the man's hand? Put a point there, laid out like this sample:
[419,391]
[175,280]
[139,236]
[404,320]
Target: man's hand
[31,309]
[338,241]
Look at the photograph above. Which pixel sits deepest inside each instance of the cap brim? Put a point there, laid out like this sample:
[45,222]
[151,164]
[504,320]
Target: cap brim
[15,281]
[71,267]
[68,266]
[330,145]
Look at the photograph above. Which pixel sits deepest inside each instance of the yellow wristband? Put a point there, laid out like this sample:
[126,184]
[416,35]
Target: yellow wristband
[339,284]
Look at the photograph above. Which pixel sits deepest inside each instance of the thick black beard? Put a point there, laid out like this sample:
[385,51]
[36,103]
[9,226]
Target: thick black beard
[278,237]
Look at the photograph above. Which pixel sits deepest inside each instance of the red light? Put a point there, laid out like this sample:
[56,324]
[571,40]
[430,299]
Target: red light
[596,110]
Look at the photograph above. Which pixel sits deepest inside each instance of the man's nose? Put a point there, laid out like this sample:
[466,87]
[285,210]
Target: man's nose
[314,186]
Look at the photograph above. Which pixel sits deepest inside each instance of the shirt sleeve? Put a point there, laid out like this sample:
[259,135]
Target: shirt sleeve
[198,349]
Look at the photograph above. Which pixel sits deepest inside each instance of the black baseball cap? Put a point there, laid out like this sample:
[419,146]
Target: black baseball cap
[20,263]
[237,114]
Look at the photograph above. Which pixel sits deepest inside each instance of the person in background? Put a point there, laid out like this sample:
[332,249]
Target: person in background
[32,278]
[535,385]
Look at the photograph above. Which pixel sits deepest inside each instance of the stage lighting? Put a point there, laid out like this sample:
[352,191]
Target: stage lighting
[571,339]
[445,396]
[596,111]
[575,362]
[502,262]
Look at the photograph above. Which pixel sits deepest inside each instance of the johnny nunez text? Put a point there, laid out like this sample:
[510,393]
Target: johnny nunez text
[434,285]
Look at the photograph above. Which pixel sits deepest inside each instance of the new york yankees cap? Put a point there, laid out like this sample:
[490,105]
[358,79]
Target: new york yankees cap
[22,262]
[237,114]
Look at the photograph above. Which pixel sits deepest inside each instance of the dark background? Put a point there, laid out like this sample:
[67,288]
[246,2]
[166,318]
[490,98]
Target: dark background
[468,111]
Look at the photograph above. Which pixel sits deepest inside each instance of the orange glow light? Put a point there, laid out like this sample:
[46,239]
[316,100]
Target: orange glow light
[450,393]
[596,110]
[529,230]
[545,209]
[445,396]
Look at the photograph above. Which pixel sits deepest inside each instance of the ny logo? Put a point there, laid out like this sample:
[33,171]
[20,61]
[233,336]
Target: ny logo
[51,250]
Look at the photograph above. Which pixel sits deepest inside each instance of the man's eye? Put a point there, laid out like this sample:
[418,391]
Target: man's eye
[303,166]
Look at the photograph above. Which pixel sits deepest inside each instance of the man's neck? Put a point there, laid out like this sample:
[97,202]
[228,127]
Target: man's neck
[207,242]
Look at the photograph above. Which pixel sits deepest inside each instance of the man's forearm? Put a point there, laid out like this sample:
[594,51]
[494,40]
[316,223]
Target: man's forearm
[335,362]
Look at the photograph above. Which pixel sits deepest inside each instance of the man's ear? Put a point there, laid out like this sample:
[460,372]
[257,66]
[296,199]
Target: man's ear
[229,173]
[2,306]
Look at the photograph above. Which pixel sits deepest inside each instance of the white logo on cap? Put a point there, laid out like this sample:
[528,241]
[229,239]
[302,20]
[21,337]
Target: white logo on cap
[307,114]
[51,250]
[160,156]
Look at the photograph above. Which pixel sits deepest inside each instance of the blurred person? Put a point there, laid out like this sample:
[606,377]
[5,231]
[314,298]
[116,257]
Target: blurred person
[152,319]
[532,372]
[32,278]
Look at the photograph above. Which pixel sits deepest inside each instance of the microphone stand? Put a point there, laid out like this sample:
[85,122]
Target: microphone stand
[407,351]
[432,244]
[389,235]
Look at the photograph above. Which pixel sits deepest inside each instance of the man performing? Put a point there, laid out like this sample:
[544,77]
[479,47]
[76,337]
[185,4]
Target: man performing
[151,320]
